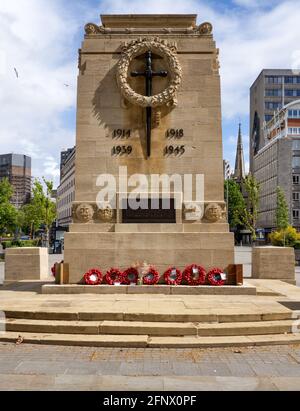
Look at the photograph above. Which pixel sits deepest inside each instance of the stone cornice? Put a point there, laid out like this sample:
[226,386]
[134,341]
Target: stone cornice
[203,30]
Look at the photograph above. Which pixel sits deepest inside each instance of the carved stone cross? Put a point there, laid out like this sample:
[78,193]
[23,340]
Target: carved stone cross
[149,74]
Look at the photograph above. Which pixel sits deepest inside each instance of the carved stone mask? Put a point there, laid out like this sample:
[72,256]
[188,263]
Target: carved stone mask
[85,212]
[213,212]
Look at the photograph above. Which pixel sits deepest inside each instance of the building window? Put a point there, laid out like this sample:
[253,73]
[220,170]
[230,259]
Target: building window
[292,79]
[273,79]
[296,144]
[296,162]
[292,93]
[271,105]
[296,214]
[296,179]
[294,130]
[294,113]
[268,117]
[296,196]
[276,92]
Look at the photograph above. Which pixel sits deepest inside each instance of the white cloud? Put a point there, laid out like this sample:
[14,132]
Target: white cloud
[34,38]
[38,38]
[261,34]
[260,40]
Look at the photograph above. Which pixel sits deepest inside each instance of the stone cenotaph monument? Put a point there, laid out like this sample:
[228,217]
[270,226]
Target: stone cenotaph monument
[149,106]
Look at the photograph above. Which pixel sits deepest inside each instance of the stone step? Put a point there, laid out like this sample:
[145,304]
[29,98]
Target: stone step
[137,341]
[148,328]
[134,341]
[226,341]
[246,289]
[200,316]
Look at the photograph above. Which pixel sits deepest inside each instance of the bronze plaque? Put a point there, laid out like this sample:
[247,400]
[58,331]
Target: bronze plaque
[147,214]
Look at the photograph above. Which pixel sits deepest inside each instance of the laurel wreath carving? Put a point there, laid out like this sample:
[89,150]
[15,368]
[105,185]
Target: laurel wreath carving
[161,48]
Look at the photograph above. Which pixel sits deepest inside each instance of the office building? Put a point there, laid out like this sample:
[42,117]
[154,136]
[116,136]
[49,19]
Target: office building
[17,168]
[278,164]
[66,188]
[271,91]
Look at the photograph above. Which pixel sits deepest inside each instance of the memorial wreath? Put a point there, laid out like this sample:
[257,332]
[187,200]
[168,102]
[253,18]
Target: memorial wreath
[151,277]
[53,270]
[130,276]
[194,274]
[214,277]
[114,275]
[173,276]
[93,277]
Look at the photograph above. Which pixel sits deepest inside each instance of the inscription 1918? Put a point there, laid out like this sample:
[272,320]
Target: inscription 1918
[174,133]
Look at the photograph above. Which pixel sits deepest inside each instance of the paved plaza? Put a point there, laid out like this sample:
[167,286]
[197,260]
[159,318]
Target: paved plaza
[51,367]
[33,367]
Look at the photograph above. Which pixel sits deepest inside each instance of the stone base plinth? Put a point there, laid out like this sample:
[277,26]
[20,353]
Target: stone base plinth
[276,263]
[149,289]
[104,250]
[26,263]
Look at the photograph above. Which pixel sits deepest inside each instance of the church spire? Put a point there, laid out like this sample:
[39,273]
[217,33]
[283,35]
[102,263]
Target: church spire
[239,169]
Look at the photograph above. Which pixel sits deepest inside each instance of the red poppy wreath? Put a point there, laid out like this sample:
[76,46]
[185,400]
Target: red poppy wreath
[173,276]
[214,277]
[194,274]
[151,277]
[93,277]
[130,276]
[114,275]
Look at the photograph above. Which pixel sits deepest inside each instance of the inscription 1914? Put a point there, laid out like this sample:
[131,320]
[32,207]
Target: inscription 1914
[121,133]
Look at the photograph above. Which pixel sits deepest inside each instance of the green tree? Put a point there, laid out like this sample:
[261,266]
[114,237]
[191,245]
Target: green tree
[8,213]
[249,217]
[236,203]
[32,219]
[41,210]
[282,210]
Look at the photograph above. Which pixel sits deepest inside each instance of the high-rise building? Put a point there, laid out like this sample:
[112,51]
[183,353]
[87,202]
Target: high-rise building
[66,188]
[271,91]
[17,168]
[278,164]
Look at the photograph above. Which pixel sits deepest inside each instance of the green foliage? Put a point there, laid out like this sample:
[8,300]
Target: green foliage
[8,213]
[41,210]
[249,217]
[297,245]
[6,190]
[20,243]
[32,219]
[236,203]
[287,237]
[282,211]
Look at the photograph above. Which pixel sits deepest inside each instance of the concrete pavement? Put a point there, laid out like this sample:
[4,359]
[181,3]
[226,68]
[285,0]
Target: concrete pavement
[29,367]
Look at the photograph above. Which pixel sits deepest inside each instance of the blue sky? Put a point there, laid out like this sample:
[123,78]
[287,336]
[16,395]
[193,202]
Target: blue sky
[41,38]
